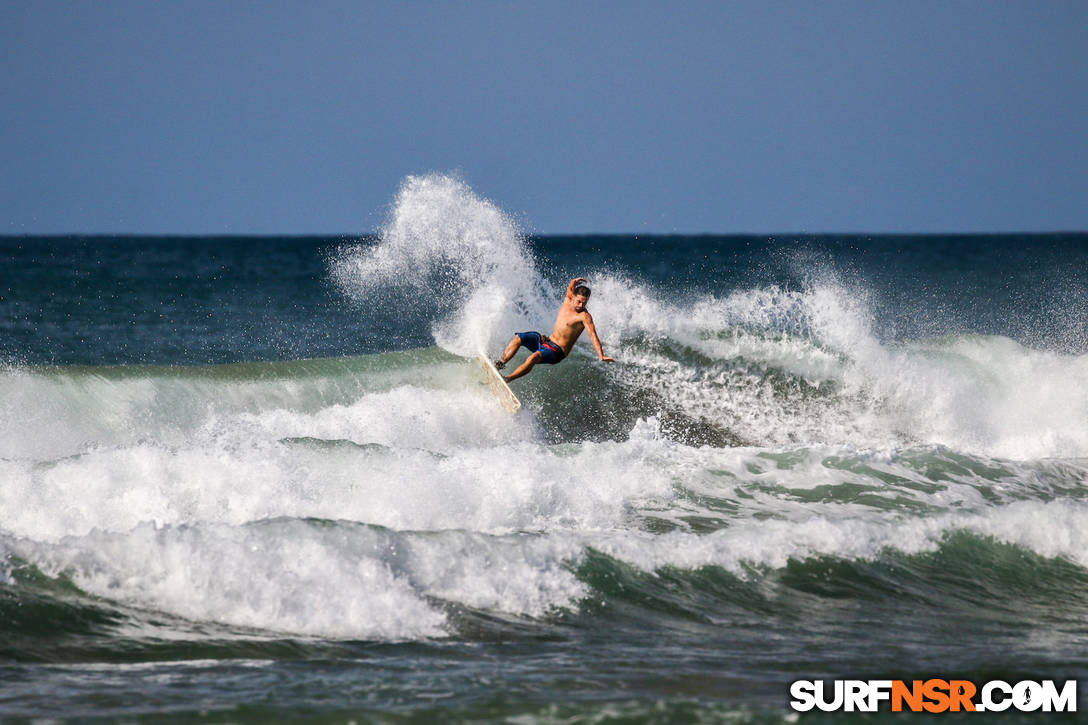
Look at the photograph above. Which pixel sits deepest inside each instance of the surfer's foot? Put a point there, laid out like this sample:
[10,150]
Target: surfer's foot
[499,364]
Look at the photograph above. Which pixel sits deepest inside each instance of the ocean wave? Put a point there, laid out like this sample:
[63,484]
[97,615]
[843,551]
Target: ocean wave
[347,581]
[775,367]
[763,364]
[751,432]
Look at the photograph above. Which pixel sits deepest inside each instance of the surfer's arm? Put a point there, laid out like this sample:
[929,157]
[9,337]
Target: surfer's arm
[570,287]
[588,320]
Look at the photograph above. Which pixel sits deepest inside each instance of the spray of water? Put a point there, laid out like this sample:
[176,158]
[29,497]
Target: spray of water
[454,255]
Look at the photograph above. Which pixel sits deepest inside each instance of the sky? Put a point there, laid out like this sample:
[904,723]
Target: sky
[758,117]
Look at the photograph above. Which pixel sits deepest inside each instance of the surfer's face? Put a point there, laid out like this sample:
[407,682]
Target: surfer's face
[580,303]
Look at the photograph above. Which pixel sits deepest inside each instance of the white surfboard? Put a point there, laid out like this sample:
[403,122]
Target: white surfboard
[503,394]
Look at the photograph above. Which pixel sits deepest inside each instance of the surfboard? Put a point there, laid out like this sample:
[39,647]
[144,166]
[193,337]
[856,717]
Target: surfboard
[502,392]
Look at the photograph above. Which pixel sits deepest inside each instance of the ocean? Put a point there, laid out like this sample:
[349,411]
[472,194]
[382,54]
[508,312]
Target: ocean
[261,480]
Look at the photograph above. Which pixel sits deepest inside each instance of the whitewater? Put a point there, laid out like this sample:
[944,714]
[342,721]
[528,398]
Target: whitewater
[806,462]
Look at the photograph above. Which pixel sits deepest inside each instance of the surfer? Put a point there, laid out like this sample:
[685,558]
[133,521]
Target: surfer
[572,319]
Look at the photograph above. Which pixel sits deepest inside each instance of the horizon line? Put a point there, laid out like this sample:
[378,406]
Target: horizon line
[375,234]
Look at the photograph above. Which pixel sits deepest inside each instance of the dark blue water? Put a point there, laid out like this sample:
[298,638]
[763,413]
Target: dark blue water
[206,300]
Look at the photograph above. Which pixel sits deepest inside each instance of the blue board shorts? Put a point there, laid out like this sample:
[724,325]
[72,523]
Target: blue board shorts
[550,353]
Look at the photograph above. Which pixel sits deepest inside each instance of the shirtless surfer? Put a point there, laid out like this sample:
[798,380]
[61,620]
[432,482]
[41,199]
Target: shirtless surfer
[573,317]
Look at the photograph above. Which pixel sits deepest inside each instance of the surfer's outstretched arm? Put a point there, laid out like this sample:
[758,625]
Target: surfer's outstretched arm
[588,320]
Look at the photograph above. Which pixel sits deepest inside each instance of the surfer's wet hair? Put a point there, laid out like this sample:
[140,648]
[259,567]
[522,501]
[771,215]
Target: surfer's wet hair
[581,290]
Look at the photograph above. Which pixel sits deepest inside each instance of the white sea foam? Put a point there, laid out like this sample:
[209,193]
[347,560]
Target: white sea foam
[337,580]
[496,527]
[458,463]
[1050,529]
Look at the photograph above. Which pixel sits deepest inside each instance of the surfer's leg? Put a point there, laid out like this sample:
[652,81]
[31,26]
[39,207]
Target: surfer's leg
[524,368]
[510,350]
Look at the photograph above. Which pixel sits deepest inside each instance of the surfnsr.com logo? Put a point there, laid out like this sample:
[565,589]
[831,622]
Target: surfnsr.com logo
[933,695]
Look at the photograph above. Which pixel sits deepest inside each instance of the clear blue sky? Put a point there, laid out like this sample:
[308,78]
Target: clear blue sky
[732,117]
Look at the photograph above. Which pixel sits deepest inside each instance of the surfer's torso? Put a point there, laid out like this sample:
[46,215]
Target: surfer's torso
[569,325]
